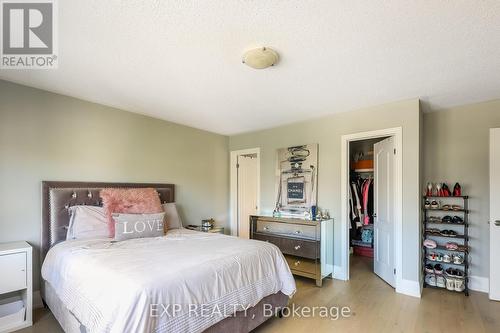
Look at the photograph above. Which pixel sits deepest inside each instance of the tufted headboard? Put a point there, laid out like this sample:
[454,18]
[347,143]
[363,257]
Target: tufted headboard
[57,197]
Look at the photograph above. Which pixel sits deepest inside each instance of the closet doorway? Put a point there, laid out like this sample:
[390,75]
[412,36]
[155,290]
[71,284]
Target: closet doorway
[371,215]
[245,189]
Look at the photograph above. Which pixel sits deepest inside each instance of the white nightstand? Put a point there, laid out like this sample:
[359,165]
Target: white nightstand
[16,286]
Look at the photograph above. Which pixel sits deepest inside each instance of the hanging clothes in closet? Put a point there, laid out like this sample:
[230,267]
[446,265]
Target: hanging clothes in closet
[361,202]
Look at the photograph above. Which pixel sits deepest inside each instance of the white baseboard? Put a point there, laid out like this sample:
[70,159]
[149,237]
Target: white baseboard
[37,300]
[409,287]
[339,273]
[479,283]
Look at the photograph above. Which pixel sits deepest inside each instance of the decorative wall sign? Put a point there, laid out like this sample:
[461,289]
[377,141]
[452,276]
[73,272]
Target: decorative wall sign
[297,181]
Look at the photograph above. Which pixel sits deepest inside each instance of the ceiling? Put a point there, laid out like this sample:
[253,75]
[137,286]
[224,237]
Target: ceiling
[180,60]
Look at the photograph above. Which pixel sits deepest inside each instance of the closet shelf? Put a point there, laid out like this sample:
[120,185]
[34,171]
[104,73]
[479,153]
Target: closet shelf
[363,170]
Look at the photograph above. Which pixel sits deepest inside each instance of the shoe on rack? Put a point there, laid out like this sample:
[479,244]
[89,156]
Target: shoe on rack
[450,283]
[438,269]
[427,204]
[445,233]
[429,269]
[458,259]
[451,246]
[452,233]
[447,258]
[457,190]
[450,272]
[457,220]
[446,219]
[441,281]
[446,190]
[434,204]
[430,279]
[432,256]
[459,285]
[430,244]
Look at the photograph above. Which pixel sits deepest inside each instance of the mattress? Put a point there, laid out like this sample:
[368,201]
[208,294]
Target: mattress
[185,281]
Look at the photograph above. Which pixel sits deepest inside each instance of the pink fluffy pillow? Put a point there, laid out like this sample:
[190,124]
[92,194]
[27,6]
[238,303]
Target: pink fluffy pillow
[129,200]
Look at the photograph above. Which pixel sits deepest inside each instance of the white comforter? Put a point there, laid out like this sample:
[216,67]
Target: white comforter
[132,286]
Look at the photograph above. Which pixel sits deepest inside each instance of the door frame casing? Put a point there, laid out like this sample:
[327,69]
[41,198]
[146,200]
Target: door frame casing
[233,186]
[492,163]
[397,134]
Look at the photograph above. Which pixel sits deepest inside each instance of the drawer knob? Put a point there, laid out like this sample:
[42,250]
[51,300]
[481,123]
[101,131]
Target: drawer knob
[297,263]
[298,232]
[266,228]
[297,247]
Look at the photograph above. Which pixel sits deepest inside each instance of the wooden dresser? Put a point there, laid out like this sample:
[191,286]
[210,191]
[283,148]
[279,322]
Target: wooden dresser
[307,245]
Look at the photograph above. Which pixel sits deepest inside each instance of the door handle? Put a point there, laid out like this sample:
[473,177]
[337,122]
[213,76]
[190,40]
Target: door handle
[497,223]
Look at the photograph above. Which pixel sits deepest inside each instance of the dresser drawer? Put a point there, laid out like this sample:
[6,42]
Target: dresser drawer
[13,272]
[287,229]
[302,265]
[296,247]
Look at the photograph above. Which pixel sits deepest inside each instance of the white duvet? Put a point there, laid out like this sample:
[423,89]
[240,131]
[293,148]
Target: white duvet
[183,282]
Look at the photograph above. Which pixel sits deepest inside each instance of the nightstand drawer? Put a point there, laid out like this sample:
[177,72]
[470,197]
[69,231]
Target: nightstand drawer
[13,272]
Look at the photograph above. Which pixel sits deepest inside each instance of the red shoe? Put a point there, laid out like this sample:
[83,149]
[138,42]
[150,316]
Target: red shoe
[457,190]
[446,190]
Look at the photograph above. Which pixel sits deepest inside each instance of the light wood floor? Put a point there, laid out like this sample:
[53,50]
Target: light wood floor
[375,306]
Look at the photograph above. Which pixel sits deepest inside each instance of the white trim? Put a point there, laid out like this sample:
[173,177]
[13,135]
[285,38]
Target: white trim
[233,186]
[409,287]
[338,273]
[479,283]
[397,133]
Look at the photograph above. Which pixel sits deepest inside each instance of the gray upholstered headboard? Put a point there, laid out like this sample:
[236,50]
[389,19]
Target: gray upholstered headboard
[57,197]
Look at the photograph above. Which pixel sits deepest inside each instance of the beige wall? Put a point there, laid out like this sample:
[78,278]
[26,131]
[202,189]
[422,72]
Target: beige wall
[456,144]
[327,133]
[45,136]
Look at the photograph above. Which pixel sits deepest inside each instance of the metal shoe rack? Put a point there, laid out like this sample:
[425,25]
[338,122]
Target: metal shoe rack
[459,238]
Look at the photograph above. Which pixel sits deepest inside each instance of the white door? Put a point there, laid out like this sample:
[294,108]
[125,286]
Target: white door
[247,192]
[383,225]
[495,214]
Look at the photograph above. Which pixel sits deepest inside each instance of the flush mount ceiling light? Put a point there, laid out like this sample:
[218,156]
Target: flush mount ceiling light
[260,58]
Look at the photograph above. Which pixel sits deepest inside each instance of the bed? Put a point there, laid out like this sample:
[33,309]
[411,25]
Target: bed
[186,281]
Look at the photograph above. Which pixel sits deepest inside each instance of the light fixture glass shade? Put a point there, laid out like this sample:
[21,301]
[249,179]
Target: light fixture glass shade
[260,58]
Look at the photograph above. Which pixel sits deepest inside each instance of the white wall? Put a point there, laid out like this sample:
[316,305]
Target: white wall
[456,145]
[327,133]
[45,136]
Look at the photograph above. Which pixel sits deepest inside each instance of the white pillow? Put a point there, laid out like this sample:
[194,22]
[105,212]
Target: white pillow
[87,222]
[172,215]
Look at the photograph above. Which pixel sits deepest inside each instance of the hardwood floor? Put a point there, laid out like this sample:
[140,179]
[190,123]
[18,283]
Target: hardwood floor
[375,308]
